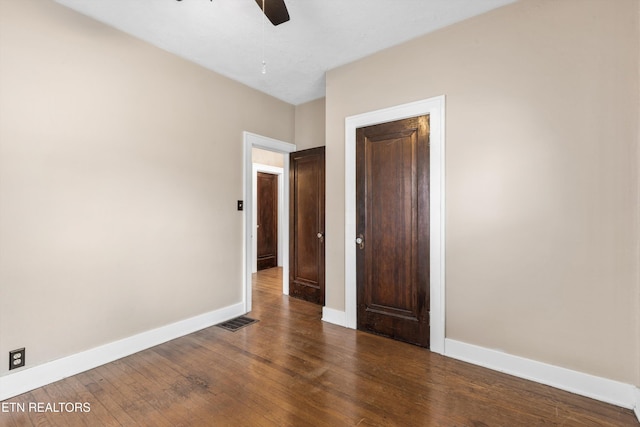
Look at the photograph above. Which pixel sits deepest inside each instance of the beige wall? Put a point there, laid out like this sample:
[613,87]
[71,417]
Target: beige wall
[310,124]
[541,176]
[120,167]
[269,158]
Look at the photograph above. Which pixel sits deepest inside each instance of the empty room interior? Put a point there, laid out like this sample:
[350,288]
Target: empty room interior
[430,209]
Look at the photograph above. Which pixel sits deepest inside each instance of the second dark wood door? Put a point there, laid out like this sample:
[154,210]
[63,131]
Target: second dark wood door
[392,191]
[306,217]
[267,201]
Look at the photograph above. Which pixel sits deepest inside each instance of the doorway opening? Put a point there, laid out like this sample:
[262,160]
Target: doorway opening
[251,141]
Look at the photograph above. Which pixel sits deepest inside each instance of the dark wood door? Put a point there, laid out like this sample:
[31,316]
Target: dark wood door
[267,219]
[306,218]
[392,190]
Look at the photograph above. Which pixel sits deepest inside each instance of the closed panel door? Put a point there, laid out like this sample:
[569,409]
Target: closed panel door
[392,190]
[306,266]
[267,201]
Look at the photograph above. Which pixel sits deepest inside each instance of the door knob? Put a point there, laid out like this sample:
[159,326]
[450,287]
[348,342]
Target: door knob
[360,241]
[320,236]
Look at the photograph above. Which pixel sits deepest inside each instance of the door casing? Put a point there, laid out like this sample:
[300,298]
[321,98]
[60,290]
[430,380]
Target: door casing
[435,108]
[251,140]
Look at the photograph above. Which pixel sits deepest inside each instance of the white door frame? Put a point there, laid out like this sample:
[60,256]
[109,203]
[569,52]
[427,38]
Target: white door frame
[435,107]
[251,140]
[258,167]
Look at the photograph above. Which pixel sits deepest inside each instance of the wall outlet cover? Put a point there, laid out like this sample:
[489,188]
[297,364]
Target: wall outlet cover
[16,358]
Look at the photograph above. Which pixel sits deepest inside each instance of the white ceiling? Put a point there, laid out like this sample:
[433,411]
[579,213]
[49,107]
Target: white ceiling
[226,36]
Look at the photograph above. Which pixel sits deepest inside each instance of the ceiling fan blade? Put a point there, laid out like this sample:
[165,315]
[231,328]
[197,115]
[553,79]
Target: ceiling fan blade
[275,10]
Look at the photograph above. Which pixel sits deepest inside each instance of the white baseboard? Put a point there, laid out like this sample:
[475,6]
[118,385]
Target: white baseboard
[636,408]
[337,317]
[28,379]
[603,389]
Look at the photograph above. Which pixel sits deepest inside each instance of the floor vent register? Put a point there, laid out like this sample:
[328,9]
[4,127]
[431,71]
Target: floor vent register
[237,323]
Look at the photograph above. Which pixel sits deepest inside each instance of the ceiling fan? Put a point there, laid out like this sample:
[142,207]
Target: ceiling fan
[275,10]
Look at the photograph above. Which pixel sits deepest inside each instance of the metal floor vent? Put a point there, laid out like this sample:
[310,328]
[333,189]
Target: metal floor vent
[237,323]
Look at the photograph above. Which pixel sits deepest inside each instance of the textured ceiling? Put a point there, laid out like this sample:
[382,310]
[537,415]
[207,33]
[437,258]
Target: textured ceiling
[226,36]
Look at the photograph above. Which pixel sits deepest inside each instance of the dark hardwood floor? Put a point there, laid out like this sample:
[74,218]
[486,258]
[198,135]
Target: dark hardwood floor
[291,369]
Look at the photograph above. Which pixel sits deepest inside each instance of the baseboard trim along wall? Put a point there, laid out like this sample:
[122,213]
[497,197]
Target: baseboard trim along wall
[28,379]
[603,389]
[337,317]
[637,404]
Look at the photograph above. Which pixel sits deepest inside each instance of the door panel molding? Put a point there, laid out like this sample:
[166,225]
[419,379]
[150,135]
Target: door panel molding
[435,108]
[251,140]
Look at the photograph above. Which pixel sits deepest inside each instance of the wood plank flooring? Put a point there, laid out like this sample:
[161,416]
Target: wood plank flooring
[291,369]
